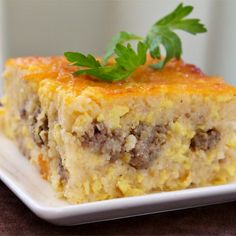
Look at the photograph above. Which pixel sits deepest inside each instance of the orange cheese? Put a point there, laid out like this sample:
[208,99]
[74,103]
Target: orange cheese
[177,76]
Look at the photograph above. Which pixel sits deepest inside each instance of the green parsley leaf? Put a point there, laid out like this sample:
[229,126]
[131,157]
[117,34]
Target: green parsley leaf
[106,73]
[120,38]
[128,58]
[171,43]
[78,59]
[162,33]
[127,61]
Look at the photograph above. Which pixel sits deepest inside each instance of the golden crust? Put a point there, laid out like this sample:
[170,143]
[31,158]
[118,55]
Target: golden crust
[177,76]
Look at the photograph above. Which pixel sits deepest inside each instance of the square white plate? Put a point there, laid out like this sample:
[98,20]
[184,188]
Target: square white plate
[24,180]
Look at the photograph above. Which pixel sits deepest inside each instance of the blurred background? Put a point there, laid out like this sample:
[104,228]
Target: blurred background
[51,27]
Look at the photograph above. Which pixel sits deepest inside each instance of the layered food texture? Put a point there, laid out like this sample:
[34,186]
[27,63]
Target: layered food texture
[157,131]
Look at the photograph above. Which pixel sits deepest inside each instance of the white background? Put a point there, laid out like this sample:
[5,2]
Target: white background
[50,27]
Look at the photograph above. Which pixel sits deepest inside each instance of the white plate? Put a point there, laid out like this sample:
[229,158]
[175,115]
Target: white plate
[24,180]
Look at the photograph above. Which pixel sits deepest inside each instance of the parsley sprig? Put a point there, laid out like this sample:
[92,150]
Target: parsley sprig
[127,60]
[120,38]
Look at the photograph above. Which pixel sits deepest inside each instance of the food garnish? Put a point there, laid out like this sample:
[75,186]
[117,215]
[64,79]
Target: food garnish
[127,59]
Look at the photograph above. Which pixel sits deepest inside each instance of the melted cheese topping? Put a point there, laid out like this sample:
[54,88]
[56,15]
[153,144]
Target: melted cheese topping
[176,77]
